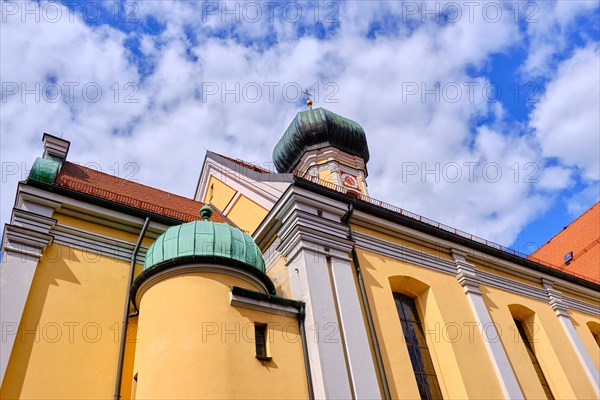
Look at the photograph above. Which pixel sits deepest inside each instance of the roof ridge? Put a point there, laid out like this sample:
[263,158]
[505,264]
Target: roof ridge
[244,163]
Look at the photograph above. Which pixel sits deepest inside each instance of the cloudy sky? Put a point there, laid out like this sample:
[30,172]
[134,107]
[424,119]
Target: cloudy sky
[482,115]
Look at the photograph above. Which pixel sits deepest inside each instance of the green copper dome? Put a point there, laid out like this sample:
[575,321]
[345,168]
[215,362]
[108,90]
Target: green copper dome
[204,241]
[316,129]
[44,170]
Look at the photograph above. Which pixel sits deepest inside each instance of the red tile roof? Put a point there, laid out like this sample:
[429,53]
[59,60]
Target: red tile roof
[582,237]
[122,191]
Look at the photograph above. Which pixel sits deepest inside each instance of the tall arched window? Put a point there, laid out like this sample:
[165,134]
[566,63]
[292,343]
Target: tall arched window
[523,318]
[536,365]
[418,351]
[595,330]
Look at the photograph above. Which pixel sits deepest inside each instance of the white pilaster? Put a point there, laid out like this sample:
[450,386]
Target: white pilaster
[556,302]
[358,350]
[309,281]
[21,250]
[470,282]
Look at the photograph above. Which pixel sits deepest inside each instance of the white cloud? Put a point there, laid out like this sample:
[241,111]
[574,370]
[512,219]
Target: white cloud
[550,24]
[166,131]
[567,119]
[555,178]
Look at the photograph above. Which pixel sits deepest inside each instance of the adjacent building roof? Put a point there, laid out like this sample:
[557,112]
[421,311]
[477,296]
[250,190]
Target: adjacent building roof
[121,191]
[576,249]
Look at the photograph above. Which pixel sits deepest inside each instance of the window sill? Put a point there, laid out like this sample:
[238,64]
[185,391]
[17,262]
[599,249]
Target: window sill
[263,358]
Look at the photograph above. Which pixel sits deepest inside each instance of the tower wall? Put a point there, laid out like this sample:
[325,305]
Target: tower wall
[193,344]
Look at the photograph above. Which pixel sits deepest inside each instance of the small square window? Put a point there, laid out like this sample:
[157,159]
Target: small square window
[568,257]
[260,338]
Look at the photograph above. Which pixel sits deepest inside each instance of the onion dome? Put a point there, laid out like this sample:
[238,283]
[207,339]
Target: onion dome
[204,242]
[317,129]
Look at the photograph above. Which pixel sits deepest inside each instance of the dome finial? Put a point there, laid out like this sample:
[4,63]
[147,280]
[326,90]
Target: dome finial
[206,212]
[309,102]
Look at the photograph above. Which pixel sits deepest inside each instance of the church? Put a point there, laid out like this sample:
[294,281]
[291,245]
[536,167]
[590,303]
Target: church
[286,284]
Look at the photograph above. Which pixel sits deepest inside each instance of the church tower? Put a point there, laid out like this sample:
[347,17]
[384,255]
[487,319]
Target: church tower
[325,145]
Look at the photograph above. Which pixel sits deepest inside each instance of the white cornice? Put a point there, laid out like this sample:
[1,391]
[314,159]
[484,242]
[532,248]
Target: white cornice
[238,300]
[300,207]
[393,229]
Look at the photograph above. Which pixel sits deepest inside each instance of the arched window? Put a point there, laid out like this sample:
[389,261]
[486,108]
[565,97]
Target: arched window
[418,351]
[595,329]
[521,315]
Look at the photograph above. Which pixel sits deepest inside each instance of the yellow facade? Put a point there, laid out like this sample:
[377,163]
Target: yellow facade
[188,329]
[74,313]
[586,326]
[75,303]
[558,361]
[445,314]
[218,193]
[244,212]
[324,292]
[247,214]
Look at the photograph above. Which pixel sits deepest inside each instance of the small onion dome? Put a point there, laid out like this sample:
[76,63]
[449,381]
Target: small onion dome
[316,129]
[204,241]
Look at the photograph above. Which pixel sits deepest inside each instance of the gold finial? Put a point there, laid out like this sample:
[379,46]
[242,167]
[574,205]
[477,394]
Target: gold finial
[309,102]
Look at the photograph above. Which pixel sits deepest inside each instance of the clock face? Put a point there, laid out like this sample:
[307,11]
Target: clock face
[350,180]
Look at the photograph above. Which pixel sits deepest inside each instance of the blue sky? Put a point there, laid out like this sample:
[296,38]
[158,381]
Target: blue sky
[482,115]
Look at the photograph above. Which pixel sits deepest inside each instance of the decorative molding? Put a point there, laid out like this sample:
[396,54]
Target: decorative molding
[28,233]
[55,146]
[403,253]
[420,238]
[97,244]
[237,300]
[511,285]
[555,299]
[466,274]
[23,241]
[392,249]
[582,306]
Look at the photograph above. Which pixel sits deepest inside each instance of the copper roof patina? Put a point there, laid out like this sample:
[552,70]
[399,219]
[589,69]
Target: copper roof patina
[205,240]
[317,129]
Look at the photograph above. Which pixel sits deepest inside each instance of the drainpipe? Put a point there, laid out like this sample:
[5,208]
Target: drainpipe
[126,310]
[363,294]
[301,315]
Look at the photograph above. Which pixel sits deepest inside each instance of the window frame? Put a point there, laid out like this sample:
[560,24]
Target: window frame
[416,345]
[262,352]
[524,334]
